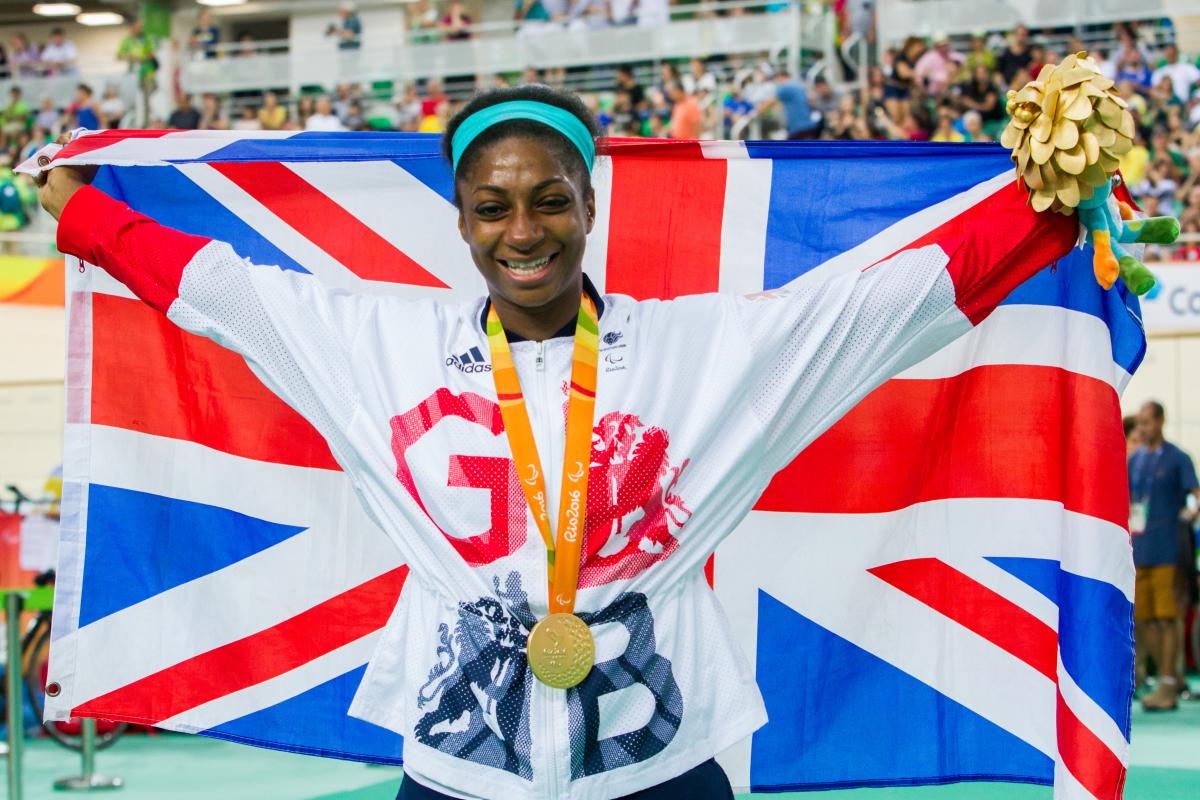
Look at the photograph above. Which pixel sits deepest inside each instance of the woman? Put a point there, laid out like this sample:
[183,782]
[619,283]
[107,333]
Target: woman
[632,490]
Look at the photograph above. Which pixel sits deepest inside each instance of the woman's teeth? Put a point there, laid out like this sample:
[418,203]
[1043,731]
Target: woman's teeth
[527,267]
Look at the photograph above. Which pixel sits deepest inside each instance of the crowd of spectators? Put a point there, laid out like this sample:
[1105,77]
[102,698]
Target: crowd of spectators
[919,90]
[22,58]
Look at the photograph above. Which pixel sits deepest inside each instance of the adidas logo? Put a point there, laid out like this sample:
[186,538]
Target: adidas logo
[470,361]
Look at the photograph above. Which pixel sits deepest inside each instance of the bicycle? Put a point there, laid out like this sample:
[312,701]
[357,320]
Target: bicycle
[35,667]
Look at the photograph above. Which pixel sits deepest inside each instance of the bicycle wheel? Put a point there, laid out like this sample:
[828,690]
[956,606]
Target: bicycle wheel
[69,734]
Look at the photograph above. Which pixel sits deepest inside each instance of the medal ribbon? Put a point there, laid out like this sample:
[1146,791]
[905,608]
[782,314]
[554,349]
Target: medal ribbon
[562,556]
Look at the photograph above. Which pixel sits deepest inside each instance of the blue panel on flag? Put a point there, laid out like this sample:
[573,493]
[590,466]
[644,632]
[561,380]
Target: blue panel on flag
[842,717]
[330,146]
[433,172]
[1072,284]
[142,544]
[1095,631]
[170,197]
[810,220]
[303,724]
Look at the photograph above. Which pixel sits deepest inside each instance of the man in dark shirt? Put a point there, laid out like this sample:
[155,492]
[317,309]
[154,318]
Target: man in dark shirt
[185,117]
[1161,477]
[1016,56]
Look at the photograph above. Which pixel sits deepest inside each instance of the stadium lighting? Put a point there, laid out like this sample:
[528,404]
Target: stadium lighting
[221,2]
[96,18]
[56,9]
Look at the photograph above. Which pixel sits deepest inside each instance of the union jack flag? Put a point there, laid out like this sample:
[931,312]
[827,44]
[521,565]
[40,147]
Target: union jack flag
[938,589]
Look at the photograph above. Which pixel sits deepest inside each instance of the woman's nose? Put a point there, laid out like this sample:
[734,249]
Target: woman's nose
[523,230]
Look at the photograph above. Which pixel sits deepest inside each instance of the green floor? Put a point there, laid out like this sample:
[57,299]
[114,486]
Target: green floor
[1166,766]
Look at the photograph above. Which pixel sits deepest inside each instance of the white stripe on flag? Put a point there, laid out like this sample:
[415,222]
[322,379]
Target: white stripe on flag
[174,146]
[1049,336]
[744,224]
[133,643]
[595,256]
[1093,717]
[830,586]
[415,219]
[236,705]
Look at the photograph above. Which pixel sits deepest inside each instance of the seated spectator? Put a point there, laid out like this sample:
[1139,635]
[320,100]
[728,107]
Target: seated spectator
[248,120]
[1182,74]
[212,118]
[825,100]
[59,56]
[112,108]
[434,98]
[945,130]
[48,118]
[455,23]
[323,118]
[1016,56]
[735,108]
[531,16]
[246,46]
[341,101]
[23,57]
[980,94]
[272,116]
[304,110]
[980,55]
[83,112]
[408,109]
[185,117]
[698,80]
[972,122]
[938,66]
[1132,67]
[354,119]
[423,22]
[686,117]
[15,117]
[585,14]
[348,28]
[205,36]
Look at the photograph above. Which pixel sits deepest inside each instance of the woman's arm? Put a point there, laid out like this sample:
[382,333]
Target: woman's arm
[824,341]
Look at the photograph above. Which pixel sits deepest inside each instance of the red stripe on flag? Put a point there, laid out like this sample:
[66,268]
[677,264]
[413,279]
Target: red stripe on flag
[1094,765]
[977,608]
[1018,431]
[316,217]
[665,230]
[100,139]
[183,386]
[249,661]
[996,245]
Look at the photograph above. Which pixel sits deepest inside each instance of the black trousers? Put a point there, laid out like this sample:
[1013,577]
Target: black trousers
[706,782]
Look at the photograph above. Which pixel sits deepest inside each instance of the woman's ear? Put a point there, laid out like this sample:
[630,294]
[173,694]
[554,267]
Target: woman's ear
[462,226]
[591,209]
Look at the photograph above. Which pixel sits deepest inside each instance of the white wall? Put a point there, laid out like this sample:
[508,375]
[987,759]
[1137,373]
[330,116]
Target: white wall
[31,394]
[1170,374]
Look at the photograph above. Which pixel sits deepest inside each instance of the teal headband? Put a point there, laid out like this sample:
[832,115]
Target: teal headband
[557,118]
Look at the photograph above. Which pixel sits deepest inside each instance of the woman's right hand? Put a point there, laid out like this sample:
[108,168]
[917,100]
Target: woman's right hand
[58,185]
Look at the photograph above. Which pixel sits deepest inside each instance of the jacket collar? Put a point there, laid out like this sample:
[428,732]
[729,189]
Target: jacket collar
[565,330]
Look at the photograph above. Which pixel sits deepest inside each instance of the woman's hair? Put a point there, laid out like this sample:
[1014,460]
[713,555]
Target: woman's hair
[564,151]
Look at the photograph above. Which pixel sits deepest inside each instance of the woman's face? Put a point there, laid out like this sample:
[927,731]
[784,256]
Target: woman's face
[526,218]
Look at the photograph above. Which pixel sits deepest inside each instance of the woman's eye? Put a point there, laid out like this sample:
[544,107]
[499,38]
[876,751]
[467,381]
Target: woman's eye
[555,203]
[489,210]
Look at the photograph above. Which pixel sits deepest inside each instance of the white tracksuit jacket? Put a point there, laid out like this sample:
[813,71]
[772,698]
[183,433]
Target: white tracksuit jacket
[700,401]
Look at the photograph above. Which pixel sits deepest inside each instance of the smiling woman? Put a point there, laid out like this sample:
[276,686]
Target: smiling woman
[522,163]
[572,647]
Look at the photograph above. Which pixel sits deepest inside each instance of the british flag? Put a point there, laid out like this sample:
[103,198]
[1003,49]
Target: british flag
[938,589]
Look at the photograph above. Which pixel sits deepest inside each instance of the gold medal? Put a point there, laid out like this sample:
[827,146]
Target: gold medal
[561,650]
